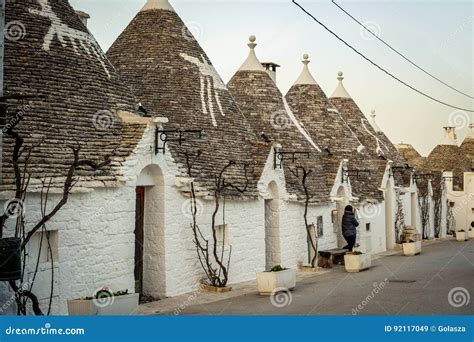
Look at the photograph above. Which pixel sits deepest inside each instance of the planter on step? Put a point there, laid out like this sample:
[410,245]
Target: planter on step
[357,262]
[462,236]
[412,248]
[105,304]
[10,259]
[81,307]
[126,305]
[268,282]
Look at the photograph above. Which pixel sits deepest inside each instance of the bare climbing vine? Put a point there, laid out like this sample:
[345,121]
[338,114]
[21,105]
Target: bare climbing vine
[399,217]
[302,174]
[20,160]
[211,252]
[424,206]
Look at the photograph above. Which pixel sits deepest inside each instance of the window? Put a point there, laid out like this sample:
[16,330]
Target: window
[367,227]
[222,235]
[320,223]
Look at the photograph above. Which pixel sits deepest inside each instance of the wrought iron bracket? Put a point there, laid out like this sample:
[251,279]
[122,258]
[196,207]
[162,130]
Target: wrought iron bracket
[423,176]
[280,156]
[346,174]
[400,170]
[166,136]
[451,179]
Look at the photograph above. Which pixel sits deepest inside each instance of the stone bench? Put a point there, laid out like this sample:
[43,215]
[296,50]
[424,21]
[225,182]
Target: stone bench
[331,257]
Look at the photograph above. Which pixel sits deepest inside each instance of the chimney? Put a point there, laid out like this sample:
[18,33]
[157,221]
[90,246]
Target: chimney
[450,137]
[271,69]
[83,16]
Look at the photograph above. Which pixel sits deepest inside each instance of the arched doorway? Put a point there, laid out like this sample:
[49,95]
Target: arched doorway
[149,267]
[340,205]
[272,227]
[389,221]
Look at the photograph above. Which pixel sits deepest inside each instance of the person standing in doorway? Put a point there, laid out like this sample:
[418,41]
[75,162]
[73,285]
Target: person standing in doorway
[349,227]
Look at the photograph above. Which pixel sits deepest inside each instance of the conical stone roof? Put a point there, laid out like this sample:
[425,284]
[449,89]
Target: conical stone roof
[271,118]
[326,124]
[447,156]
[376,143]
[467,145]
[55,56]
[173,77]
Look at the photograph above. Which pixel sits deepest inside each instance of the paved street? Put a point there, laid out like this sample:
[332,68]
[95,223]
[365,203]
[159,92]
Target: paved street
[395,285]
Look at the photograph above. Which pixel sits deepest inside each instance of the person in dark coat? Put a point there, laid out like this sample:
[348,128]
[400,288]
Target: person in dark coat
[349,225]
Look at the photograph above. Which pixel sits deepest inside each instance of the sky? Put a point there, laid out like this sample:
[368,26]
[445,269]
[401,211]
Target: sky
[437,35]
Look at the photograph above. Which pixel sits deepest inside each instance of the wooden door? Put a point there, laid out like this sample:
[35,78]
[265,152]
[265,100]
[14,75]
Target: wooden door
[139,238]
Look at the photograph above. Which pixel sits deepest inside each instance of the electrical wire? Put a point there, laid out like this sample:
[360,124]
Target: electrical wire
[399,53]
[378,66]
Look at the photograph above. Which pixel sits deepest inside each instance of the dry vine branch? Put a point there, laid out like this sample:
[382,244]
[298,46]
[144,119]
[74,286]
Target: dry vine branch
[303,182]
[22,180]
[213,264]
[424,205]
[399,217]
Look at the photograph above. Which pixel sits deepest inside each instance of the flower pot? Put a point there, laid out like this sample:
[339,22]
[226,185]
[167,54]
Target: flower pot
[357,262]
[471,234]
[268,282]
[462,236]
[78,307]
[10,259]
[412,248]
[126,305]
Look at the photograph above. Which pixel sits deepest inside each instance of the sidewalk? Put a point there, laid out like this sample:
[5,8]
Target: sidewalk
[337,292]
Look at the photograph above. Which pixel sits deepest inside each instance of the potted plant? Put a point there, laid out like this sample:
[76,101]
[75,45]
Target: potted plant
[105,303]
[471,231]
[412,248]
[277,278]
[357,261]
[462,235]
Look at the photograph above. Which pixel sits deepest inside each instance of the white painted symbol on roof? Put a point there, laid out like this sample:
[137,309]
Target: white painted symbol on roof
[208,78]
[75,37]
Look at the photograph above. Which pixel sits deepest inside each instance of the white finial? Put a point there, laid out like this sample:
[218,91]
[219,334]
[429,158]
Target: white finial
[305,76]
[373,122]
[252,63]
[157,5]
[340,91]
